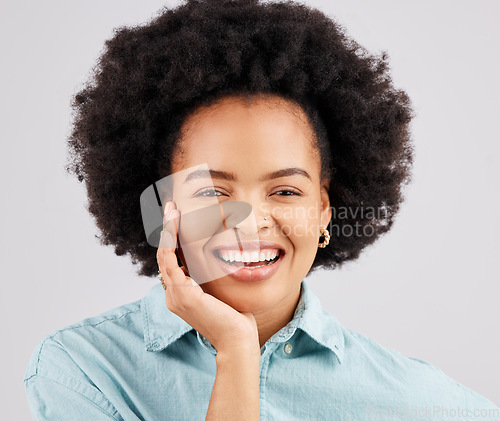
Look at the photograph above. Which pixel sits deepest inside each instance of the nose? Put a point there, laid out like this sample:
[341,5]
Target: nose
[258,219]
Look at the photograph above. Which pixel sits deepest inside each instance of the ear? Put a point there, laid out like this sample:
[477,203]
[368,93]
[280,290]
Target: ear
[326,209]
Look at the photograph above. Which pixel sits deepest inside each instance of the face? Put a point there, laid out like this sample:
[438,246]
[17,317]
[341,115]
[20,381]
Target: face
[261,152]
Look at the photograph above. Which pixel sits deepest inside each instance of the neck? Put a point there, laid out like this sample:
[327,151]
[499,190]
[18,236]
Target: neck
[271,321]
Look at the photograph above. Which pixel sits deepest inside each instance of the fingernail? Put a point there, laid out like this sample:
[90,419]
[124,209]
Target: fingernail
[168,214]
[168,207]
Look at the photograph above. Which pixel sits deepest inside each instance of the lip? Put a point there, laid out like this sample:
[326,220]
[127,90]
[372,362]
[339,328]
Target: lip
[251,275]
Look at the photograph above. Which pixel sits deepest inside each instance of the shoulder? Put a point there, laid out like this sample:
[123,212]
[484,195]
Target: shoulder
[411,380]
[66,373]
[58,352]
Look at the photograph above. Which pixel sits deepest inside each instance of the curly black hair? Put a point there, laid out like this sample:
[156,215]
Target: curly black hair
[150,77]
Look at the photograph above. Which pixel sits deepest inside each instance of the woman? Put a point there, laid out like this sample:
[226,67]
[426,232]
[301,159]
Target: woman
[269,105]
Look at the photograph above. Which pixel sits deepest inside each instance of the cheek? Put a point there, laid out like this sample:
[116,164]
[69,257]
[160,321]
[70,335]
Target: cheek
[300,225]
[302,234]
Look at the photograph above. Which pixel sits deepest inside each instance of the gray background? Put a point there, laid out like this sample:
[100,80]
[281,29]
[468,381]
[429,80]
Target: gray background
[429,288]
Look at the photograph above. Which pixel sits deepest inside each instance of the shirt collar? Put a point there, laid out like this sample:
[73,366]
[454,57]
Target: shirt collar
[162,327]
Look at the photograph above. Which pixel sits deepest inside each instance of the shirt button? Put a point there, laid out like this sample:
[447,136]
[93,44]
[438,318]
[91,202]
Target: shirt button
[288,348]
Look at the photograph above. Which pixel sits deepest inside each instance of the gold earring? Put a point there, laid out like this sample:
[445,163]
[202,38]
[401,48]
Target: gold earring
[324,232]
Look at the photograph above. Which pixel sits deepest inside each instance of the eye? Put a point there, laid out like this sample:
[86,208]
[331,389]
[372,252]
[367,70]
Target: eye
[288,192]
[207,193]
[213,193]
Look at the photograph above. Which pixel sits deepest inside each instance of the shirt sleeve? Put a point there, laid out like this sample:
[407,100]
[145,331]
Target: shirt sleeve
[477,406]
[460,401]
[57,389]
[51,401]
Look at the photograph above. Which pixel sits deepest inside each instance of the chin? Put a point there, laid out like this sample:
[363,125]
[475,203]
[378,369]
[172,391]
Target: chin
[238,296]
[250,307]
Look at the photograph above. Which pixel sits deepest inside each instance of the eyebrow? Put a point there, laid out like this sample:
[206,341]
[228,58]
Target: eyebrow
[222,175]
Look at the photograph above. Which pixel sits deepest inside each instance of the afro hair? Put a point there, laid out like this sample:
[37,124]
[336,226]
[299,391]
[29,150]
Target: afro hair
[150,77]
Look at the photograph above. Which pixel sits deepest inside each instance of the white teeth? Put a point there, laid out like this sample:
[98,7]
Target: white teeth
[247,257]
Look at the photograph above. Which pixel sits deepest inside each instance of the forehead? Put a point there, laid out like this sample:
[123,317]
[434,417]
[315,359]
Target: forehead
[265,130]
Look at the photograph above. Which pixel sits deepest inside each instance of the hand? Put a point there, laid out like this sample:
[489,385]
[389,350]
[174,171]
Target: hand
[227,329]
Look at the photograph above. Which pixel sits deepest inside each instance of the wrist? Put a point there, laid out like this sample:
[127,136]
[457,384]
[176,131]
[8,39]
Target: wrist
[238,354]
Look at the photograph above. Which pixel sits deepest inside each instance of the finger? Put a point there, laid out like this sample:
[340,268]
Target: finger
[170,269]
[178,297]
[172,225]
[168,239]
[167,257]
[167,245]
[169,206]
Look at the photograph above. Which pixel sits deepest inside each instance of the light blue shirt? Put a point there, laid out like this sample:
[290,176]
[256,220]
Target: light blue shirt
[140,361]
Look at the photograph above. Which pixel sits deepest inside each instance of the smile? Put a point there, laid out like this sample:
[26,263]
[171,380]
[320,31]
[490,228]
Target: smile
[250,260]
[259,261]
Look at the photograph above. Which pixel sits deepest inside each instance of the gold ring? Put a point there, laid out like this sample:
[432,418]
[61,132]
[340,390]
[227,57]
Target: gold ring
[162,281]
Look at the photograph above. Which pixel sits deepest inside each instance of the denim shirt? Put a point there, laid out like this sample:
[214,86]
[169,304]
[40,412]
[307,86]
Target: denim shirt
[140,361]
